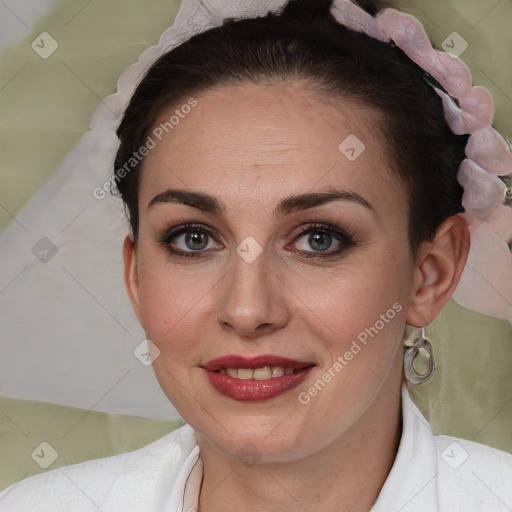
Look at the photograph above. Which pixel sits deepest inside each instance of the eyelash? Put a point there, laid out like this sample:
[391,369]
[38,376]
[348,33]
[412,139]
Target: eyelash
[345,237]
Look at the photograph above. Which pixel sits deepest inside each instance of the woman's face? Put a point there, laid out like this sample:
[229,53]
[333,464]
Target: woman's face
[271,268]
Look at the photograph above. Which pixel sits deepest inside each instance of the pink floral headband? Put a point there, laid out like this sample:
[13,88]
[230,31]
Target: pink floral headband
[486,284]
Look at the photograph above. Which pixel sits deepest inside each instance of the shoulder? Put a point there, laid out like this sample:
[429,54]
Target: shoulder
[446,474]
[475,475]
[138,480]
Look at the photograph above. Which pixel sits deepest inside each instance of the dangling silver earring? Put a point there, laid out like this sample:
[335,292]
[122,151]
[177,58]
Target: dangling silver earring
[411,351]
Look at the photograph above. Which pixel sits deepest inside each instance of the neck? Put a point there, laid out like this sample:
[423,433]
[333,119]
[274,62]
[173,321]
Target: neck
[348,474]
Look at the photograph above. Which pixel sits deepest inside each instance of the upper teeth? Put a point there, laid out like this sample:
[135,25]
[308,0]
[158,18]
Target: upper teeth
[266,372]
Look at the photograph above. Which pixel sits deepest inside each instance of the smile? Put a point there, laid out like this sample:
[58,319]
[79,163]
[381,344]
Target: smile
[255,379]
[263,373]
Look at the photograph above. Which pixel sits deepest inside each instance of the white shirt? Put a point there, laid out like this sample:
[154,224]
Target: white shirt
[430,473]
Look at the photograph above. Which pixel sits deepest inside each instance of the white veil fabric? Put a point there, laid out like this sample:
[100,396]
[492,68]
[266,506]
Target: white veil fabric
[69,333]
[66,320]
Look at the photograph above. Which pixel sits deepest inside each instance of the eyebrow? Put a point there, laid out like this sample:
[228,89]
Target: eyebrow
[211,204]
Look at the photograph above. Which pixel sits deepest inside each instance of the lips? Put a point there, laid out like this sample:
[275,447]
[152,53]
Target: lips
[257,378]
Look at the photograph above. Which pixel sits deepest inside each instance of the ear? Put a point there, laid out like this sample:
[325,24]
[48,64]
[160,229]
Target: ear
[438,271]
[131,279]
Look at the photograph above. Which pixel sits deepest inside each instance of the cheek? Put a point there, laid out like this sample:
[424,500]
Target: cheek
[356,320]
[178,302]
[175,304]
[174,314]
[346,302]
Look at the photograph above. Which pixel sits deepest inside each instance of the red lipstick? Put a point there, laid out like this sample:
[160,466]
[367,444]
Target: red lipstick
[253,389]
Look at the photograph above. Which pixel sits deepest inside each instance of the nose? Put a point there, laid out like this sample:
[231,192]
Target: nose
[252,299]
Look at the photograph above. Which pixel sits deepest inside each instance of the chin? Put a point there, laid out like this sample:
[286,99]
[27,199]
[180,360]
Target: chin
[275,435]
[258,445]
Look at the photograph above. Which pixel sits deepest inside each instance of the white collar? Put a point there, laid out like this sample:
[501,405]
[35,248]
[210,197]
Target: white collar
[411,485]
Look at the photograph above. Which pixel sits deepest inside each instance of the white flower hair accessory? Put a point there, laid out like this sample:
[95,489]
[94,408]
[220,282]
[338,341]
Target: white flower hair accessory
[486,283]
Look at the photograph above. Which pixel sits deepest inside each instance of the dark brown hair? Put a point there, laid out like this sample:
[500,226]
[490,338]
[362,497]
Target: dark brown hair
[306,43]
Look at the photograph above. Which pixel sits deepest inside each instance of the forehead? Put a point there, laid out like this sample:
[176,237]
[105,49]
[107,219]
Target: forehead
[248,142]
